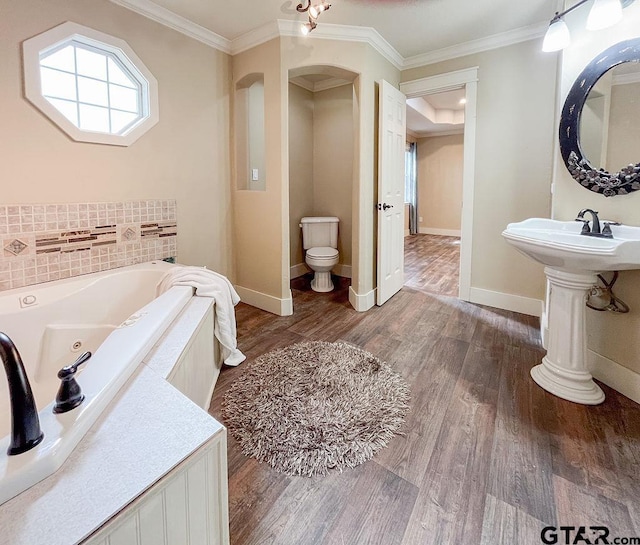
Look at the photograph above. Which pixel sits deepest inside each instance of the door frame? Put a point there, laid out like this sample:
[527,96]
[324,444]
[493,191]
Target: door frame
[467,78]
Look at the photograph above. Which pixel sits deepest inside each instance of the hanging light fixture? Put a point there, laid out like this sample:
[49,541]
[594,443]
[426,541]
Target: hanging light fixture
[557,36]
[603,14]
[314,11]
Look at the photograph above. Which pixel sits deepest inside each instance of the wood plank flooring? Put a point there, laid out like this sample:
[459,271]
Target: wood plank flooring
[432,263]
[486,456]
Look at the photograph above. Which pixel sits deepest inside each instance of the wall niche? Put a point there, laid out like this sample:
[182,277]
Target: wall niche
[250,133]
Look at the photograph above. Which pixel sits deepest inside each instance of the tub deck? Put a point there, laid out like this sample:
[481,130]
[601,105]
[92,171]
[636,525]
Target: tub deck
[149,429]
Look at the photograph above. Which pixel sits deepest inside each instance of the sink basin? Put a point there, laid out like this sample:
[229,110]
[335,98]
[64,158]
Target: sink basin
[559,244]
[572,261]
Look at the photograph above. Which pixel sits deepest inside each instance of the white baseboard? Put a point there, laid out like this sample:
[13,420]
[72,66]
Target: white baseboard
[298,270]
[342,270]
[362,303]
[279,307]
[506,301]
[614,375]
[301,269]
[441,232]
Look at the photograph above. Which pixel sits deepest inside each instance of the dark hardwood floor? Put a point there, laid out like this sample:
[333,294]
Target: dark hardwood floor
[432,263]
[486,456]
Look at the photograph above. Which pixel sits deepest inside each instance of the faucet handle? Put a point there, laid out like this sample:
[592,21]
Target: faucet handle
[70,370]
[69,394]
[606,229]
[585,225]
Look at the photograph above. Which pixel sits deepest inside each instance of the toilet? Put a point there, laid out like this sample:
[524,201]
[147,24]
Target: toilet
[320,240]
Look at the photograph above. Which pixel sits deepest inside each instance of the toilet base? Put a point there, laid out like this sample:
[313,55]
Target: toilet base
[322,282]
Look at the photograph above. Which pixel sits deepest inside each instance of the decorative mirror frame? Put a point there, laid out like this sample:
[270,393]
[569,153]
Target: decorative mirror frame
[597,180]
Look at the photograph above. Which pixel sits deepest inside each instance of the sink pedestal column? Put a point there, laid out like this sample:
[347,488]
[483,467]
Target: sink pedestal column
[563,371]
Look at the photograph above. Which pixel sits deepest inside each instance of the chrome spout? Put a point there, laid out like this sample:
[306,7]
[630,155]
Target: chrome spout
[25,424]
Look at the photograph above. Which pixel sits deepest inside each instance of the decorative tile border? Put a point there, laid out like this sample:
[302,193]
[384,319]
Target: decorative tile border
[44,242]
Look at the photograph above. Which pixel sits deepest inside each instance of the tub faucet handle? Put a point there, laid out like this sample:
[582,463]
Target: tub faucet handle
[69,394]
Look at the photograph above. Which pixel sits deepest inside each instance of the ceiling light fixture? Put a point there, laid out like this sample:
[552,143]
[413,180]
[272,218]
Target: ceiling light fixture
[603,14]
[314,12]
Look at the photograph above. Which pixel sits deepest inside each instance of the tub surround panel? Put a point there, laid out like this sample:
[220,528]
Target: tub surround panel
[137,423]
[187,506]
[45,242]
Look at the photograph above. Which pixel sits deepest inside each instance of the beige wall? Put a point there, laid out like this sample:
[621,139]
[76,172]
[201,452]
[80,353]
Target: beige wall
[440,182]
[513,158]
[300,165]
[615,336]
[260,249]
[333,161]
[185,156]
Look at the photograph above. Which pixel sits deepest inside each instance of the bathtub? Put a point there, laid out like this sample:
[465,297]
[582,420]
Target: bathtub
[114,314]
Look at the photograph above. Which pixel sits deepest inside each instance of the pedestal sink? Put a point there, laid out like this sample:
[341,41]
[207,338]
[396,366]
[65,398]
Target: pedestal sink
[572,261]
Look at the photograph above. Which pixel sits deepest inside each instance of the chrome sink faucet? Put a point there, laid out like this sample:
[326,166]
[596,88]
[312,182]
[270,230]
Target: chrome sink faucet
[25,424]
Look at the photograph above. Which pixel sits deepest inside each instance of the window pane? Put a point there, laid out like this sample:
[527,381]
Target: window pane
[94,118]
[119,120]
[57,84]
[67,109]
[91,64]
[62,60]
[117,75]
[123,98]
[92,92]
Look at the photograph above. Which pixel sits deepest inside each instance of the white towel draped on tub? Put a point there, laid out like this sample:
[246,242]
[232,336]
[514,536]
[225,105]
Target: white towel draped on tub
[211,284]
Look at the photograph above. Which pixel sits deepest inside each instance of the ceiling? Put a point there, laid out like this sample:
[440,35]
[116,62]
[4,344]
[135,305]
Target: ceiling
[437,114]
[412,27]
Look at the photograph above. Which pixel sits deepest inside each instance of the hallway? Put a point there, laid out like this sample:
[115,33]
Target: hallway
[432,264]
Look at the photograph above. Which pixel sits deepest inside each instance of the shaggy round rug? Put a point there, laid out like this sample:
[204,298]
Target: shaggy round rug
[315,406]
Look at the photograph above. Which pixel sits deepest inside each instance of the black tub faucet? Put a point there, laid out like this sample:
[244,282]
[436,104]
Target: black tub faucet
[594,231]
[25,424]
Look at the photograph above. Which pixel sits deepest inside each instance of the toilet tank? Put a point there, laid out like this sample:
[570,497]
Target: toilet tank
[317,232]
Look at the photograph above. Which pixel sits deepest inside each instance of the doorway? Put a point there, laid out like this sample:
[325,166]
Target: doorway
[433,191]
[463,82]
[322,125]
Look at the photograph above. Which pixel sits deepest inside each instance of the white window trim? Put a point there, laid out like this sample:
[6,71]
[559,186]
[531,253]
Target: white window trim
[71,31]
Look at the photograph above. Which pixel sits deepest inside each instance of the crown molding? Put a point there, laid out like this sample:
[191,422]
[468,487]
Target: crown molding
[327,31]
[255,37]
[371,36]
[435,134]
[165,17]
[495,41]
[332,83]
[325,85]
[303,83]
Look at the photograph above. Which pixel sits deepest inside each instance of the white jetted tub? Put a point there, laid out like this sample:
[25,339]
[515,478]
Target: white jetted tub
[114,314]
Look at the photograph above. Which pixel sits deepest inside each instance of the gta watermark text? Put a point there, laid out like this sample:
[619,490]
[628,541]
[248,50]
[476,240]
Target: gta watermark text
[586,535]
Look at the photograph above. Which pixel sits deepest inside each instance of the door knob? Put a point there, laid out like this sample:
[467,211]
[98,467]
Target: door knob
[384,206]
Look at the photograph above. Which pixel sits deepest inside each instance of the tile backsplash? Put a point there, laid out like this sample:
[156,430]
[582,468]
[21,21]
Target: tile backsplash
[43,242]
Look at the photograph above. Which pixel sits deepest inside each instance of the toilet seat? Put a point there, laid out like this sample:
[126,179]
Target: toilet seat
[322,252]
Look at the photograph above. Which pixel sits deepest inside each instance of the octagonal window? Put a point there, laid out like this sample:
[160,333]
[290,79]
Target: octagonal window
[91,85]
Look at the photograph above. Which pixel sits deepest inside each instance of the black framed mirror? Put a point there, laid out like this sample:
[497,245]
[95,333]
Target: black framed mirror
[579,146]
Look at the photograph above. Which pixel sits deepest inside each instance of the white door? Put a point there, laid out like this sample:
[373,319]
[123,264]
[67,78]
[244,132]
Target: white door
[392,129]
